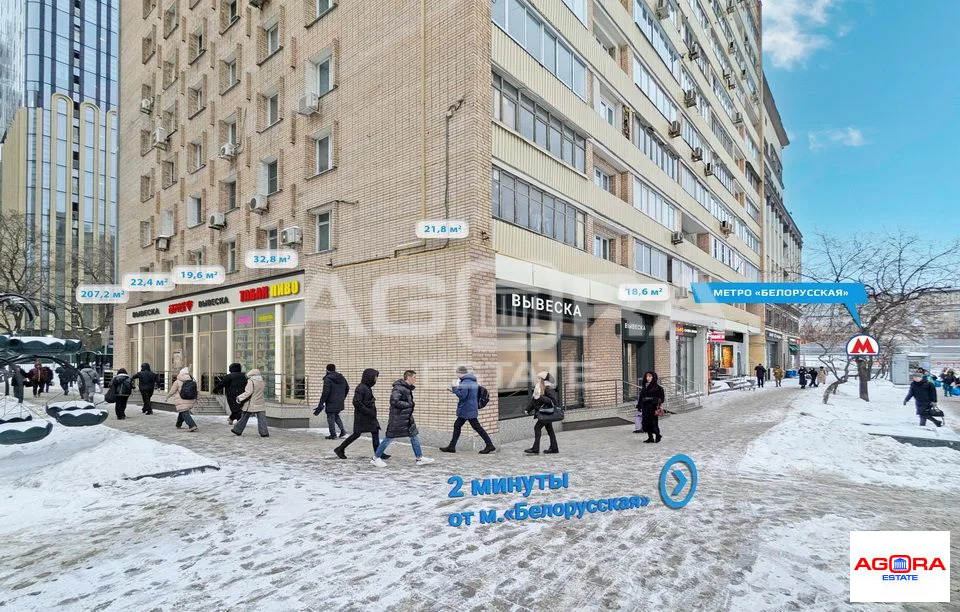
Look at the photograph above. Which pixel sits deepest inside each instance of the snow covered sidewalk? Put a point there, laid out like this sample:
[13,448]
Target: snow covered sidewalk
[854,439]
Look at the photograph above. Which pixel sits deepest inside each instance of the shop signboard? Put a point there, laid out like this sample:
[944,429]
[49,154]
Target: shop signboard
[774,336]
[271,290]
[543,306]
[686,329]
[717,336]
[636,327]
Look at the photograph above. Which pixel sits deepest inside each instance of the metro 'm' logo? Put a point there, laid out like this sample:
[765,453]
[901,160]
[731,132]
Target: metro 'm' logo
[899,563]
[863,345]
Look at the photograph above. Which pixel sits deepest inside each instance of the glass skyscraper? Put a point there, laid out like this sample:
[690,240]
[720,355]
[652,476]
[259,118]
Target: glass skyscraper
[60,149]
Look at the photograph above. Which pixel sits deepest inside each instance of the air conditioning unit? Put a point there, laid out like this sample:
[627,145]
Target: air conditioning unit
[726,227]
[257,3]
[675,129]
[689,97]
[158,138]
[162,243]
[727,75]
[738,118]
[217,220]
[291,235]
[694,51]
[258,204]
[676,237]
[663,9]
[146,105]
[696,154]
[708,169]
[731,6]
[228,151]
[309,104]
[755,98]
[731,47]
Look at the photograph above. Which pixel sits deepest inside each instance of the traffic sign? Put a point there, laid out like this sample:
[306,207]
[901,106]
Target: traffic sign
[863,345]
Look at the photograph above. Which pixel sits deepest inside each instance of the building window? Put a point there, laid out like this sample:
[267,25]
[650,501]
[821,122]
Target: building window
[229,12]
[324,154]
[319,74]
[603,247]
[579,8]
[650,261]
[270,176]
[273,39]
[525,26]
[231,248]
[651,203]
[323,6]
[196,155]
[230,194]
[324,234]
[196,44]
[273,238]
[602,179]
[195,99]
[169,172]
[146,233]
[170,20]
[194,211]
[536,124]
[230,77]
[273,109]
[516,201]
[195,258]
[608,111]
[167,222]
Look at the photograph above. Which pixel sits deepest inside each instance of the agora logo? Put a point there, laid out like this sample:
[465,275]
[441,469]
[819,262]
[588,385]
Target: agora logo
[899,564]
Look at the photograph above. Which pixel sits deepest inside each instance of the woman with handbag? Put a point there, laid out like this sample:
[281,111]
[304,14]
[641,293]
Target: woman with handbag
[546,409]
[650,406]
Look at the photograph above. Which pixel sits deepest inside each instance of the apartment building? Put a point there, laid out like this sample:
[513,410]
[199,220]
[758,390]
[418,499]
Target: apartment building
[782,247]
[58,105]
[587,144]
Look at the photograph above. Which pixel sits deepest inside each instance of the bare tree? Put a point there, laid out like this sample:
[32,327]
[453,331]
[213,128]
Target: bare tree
[20,271]
[899,273]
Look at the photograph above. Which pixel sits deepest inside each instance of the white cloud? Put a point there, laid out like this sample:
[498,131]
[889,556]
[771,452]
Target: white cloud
[791,29]
[840,137]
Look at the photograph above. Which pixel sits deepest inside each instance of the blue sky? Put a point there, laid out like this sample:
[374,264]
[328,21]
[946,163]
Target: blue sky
[869,93]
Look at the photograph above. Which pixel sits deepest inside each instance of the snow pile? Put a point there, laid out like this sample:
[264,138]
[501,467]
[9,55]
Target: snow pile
[55,475]
[836,439]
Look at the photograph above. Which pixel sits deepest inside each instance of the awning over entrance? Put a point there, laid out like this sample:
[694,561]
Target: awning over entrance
[793,348]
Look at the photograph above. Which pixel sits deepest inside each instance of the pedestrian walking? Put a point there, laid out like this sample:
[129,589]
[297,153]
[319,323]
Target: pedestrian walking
[400,423]
[469,403]
[47,378]
[924,395]
[761,374]
[184,393]
[777,375]
[253,403]
[147,381]
[63,377]
[802,373]
[821,376]
[121,385]
[88,383]
[947,378]
[19,381]
[364,414]
[332,398]
[650,405]
[233,385]
[36,379]
[546,409]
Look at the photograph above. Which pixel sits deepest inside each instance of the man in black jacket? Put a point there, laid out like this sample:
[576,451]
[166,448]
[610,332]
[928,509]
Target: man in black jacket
[924,395]
[401,423]
[335,389]
[364,414]
[148,383]
[761,374]
[233,384]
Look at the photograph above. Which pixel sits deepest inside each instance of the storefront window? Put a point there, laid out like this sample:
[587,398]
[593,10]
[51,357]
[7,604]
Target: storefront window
[294,376]
[243,326]
[181,345]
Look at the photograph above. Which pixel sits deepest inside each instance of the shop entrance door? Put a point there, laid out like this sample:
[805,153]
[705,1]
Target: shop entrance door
[570,371]
[632,374]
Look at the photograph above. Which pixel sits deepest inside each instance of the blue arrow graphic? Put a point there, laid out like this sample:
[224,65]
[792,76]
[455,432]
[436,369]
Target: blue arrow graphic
[681,482]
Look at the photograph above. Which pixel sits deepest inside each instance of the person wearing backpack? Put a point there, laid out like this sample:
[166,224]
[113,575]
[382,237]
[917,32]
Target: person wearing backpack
[184,394]
[253,403]
[121,386]
[471,397]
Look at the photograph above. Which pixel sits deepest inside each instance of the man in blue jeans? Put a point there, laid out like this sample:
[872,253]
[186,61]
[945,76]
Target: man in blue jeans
[401,424]
[467,391]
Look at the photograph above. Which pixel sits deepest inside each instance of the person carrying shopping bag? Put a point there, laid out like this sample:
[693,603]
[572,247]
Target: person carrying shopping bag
[546,409]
